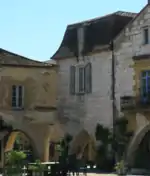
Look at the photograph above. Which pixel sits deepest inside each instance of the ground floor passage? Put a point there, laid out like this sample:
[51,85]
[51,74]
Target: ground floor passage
[141,155]
[43,147]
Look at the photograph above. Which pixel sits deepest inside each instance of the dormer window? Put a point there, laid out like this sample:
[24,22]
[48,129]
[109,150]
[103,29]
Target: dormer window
[146,35]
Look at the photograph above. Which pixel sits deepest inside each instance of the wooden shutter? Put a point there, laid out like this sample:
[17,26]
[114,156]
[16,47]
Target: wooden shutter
[14,96]
[72,80]
[88,78]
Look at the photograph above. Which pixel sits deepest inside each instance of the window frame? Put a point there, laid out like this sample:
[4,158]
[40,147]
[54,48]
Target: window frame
[148,37]
[17,97]
[86,84]
[147,89]
[83,79]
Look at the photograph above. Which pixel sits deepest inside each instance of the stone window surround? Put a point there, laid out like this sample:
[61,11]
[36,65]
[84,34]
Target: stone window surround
[142,30]
[17,97]
[78,66]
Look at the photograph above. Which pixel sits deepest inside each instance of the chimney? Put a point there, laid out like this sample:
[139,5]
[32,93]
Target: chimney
[80,33]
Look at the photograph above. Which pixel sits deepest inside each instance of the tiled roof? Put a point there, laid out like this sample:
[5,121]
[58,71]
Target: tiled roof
[97,32]
[9,58]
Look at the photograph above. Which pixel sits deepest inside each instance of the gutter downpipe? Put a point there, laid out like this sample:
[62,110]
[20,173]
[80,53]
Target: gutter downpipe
[114,109]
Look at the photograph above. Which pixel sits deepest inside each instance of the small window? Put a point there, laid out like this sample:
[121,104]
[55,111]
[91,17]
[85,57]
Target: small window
[146,36]
[145,86]
[17,96]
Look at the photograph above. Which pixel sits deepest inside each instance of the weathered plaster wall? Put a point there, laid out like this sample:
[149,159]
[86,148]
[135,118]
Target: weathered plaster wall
[40,89]
[39,86]
[84,112]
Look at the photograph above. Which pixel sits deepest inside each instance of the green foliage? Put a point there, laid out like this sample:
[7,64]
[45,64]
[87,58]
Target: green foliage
[122,137]
[14,162]
[102,133]
[37,166]
[64,145]
[103,159]
[68,138]
[117,139]
[15,157]
[120,167]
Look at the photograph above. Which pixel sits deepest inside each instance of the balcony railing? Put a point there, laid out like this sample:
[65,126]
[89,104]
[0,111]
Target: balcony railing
[127,102]
[134,103]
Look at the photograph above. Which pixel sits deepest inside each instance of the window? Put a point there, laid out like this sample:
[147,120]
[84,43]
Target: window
[81,79]
[146,35]
[145,86]
[17,96]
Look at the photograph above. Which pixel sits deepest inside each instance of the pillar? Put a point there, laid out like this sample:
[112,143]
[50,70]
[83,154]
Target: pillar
[46,152]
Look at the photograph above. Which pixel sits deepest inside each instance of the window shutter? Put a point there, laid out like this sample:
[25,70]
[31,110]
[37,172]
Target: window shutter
[14,96]
[20,96]
[88,78]
[72,80]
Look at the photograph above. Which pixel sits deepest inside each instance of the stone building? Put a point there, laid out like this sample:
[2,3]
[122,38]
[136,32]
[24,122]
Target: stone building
[132,54]
[85,75]
[28,92]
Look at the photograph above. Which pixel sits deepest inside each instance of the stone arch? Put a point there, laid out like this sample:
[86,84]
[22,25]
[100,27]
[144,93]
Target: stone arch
[80,143]
[11,138]
[136,140]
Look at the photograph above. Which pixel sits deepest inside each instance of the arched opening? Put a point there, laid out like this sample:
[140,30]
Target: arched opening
[19,141]
[136,143]
[83,146]
[142,153]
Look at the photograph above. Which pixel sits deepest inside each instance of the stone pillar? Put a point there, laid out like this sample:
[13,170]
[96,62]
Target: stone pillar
[2,154]
[47,143]
[46,148]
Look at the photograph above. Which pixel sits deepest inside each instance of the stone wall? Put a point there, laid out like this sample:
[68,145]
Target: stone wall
[39,84]
[128,44]
[87,110]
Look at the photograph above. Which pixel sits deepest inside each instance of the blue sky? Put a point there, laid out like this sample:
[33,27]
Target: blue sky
[35,28]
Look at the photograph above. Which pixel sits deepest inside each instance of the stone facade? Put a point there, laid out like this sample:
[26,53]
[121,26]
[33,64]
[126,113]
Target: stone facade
[132,57]
[85,111]
[36,117]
